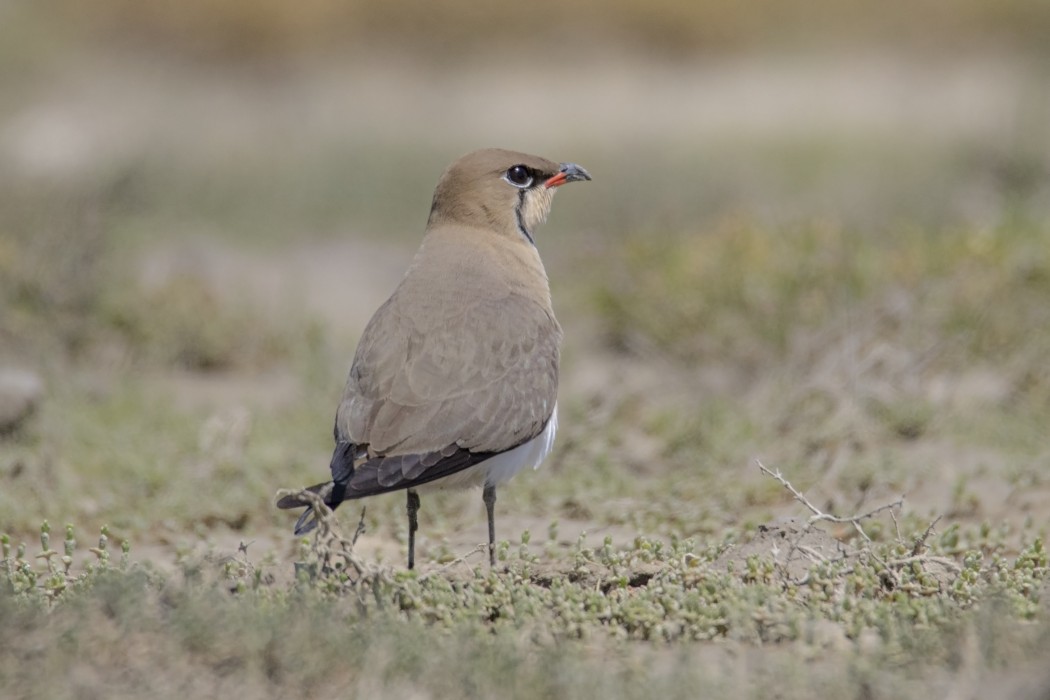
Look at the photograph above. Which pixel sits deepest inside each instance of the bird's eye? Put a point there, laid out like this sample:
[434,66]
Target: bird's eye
[518,176]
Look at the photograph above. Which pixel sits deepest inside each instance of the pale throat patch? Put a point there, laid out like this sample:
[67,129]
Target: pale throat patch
[536,206]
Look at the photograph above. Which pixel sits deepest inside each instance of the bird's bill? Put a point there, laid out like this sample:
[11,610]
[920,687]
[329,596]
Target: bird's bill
[570,172]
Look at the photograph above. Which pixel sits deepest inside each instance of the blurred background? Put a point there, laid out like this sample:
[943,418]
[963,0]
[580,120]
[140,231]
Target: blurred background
[817,234]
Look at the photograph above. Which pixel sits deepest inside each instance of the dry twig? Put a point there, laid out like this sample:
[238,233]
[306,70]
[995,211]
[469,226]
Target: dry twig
[920,542]
[889,569]
[819,515]
[455,562]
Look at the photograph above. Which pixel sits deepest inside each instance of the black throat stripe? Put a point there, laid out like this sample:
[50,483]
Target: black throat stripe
[521,222]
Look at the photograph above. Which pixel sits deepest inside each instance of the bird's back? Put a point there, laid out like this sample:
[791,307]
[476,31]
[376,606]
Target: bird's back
[464,353]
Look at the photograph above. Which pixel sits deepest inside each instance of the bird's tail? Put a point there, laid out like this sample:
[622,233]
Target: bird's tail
[313,497]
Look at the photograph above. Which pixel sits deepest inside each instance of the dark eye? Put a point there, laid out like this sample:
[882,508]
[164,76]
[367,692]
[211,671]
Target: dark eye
[518,176]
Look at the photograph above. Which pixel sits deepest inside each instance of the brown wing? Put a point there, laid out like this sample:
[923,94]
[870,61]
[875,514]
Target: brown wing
[459,358]
[485,381]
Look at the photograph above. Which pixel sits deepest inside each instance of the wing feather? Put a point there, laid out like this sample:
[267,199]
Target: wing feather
[458,363]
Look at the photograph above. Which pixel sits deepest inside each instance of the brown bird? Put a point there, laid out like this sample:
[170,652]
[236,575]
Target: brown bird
[455,380]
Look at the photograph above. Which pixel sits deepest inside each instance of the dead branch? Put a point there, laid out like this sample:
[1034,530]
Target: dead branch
[889,569]
[819,515]
[920,542]
[455,562]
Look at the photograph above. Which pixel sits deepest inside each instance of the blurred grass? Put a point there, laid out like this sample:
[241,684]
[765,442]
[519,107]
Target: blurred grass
[69,288]
[831,352]
[453,29]
[753,294]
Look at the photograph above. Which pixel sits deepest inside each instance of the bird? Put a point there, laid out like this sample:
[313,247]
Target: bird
[454,382]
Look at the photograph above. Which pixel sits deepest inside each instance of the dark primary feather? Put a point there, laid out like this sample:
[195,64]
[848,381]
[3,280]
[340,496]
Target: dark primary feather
[382,475]
[385,474]
[307,521]
[379,475]
[343,458]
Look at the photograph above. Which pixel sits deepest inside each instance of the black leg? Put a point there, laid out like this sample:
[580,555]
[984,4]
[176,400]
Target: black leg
[413,525]
[489,496]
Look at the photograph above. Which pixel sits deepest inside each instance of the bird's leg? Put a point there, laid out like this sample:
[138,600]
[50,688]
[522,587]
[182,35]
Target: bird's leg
[413,525]
[489,496]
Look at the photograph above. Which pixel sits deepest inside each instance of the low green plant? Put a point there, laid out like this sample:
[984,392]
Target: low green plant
[345,624]
[50,574]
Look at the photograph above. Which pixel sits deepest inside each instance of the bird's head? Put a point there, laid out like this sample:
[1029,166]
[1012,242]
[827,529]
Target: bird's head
[505,191]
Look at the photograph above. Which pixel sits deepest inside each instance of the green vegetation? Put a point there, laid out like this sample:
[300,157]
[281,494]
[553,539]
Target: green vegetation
[745,291]
[68,286]
[829,338]
[887,614]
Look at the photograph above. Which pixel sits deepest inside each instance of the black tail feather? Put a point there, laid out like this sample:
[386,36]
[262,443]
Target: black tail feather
[331,494]
[306,522]
[294,500]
